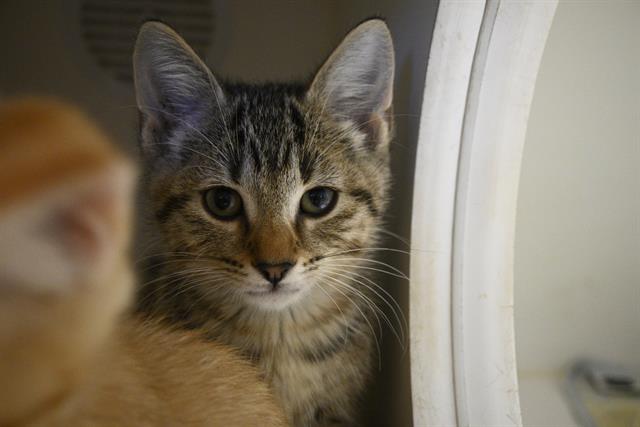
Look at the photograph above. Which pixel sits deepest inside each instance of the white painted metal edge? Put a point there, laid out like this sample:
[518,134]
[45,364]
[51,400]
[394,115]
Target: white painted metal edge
[447,81]
[511,42]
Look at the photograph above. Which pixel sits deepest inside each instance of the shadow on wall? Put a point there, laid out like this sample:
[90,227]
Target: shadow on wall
[43,51]
[411,23]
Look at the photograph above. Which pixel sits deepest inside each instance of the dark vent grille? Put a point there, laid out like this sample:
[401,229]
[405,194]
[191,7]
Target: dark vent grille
[109,28]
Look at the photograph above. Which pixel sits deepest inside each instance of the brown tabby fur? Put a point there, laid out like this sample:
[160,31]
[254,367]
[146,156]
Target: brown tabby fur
[69,356]
[312,334]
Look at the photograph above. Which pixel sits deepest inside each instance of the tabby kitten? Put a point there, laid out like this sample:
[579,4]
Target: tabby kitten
[266,198]
[68,354]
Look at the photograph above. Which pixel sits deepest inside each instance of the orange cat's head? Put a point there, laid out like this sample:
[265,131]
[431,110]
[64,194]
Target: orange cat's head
[65,201]
[64,195]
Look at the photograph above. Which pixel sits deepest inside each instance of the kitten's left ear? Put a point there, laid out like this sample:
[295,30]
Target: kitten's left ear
[174,88]
[356,83]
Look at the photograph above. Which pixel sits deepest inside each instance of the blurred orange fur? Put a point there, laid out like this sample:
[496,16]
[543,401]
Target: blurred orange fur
[70,353]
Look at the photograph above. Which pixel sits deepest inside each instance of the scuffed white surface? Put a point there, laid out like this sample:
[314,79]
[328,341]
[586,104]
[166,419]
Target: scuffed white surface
[451,57]
[511,42]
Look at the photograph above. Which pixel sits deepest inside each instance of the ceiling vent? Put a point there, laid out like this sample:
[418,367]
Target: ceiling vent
[109,28]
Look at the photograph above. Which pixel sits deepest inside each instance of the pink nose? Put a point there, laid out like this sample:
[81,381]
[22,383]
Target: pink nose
[273,272]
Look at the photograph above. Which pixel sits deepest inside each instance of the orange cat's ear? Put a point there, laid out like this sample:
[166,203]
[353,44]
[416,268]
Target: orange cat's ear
[69,235]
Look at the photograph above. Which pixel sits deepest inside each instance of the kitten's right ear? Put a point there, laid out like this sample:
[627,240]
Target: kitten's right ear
[174,88]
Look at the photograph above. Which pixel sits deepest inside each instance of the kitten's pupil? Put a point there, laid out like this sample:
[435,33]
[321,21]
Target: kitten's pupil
[222,199]
[319,198]
[318,201]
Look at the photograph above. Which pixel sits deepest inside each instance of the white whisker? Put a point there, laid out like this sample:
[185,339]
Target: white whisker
[364,316]
[401,336]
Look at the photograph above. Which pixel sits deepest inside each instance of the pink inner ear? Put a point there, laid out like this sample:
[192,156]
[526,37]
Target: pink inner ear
[87,224]
[78,231]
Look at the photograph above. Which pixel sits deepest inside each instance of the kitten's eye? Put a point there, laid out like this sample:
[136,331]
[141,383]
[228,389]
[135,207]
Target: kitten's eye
[223,202]
[318,201]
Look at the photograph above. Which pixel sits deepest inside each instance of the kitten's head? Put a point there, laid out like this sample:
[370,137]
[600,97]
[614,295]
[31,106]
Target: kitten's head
[252,185]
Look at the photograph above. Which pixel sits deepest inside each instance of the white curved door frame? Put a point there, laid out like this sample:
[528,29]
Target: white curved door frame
[482,69]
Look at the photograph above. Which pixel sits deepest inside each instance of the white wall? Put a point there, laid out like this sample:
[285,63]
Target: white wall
[577,272]
[577,252]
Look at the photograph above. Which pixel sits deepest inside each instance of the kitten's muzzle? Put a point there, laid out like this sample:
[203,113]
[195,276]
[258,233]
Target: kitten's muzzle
[273,272]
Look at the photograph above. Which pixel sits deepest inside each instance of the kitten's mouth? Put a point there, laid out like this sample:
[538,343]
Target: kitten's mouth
[274,297]
[273,290]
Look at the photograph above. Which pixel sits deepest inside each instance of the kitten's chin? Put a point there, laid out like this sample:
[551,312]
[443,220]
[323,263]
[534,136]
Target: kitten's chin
[274,300]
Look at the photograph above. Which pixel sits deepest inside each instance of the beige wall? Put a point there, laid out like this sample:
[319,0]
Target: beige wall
[42,52]
[577,259]
[272,40]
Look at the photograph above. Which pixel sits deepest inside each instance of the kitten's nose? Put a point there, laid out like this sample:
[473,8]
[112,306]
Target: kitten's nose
[274,273]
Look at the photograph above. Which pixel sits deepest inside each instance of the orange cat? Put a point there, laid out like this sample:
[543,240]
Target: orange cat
[69,355]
